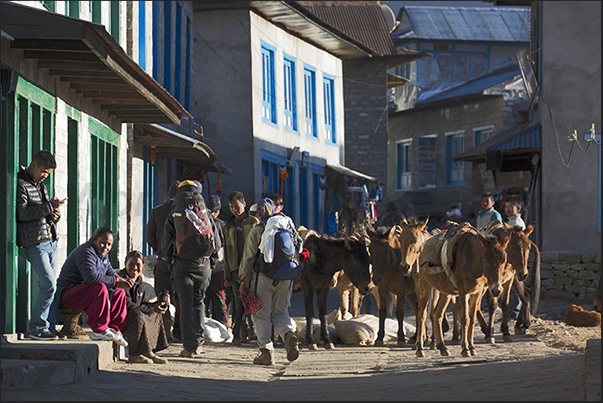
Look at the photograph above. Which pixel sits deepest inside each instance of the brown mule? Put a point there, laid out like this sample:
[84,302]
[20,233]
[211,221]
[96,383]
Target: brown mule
[477,261]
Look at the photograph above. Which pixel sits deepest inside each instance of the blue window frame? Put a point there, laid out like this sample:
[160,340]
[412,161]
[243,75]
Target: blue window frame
[328,84]
[310,94]
[404,164]
[290,93]
[156,40]
[187,66]
[303,197]
[167,46]
[142,35]
[268,84]
[482,134]
[270,178]
[316,200]
[454,169]
[178,51]
[150,197]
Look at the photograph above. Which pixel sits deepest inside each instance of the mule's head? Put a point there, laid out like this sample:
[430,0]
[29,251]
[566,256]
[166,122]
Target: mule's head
[495,258]
[518,250]
[357,264]
[409,242]
[381,253]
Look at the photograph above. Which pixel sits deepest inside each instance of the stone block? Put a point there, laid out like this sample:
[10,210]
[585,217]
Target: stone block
[578,266]
[562,280]
[594,267]
[546,274]
[549,257]
[570,258]
[589,257]
[588,275]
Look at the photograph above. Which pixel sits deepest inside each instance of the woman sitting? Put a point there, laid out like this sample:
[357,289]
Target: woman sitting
[88,281]
[144,328]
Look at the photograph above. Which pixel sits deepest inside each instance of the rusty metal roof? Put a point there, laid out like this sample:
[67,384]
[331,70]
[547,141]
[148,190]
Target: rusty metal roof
[361,20]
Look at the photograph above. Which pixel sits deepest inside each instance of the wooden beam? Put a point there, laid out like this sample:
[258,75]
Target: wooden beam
[162,142]
[100,80]
[61,55]
[96,85]
[64,68]
[67,45]
[117,95]
[75,73]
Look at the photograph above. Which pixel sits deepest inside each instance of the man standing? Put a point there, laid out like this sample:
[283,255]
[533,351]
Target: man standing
[155,227]
[37,216]
[191,271]
[216,294]
[236,230]
[274,294]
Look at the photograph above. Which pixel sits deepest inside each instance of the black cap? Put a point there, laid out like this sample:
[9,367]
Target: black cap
[214,203]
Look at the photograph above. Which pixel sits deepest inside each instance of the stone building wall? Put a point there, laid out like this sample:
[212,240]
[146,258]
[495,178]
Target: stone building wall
[572,277]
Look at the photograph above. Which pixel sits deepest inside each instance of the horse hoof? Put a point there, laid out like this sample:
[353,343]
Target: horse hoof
[472,352]
[420,353]
[312,347]
[432,346]
[412,340]
[401,343]
[520,331]
[329,346]
[490,340]
[378,343]
[444,352]
[465,353]
[506,337]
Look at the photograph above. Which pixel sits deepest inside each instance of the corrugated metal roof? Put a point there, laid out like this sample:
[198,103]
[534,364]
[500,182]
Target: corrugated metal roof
[361,20]
[499,24]
[525,139]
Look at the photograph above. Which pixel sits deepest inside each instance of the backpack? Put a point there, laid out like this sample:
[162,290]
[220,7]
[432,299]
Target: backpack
[286,262]
[194,236]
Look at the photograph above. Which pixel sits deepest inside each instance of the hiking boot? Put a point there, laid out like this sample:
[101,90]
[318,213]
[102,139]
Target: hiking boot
[191,354]
[291,344]
[43,336]
[266,357]
[118,337]
[105,335]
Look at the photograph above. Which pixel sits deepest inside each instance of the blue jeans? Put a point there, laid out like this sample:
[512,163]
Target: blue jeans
[43,262]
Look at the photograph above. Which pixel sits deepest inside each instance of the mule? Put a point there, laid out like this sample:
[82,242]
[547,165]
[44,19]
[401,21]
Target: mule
[350,299]
[391,271]
[477,261]
[327,256]
[515,272]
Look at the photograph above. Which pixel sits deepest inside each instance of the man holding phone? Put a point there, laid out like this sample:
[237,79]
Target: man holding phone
[37,215]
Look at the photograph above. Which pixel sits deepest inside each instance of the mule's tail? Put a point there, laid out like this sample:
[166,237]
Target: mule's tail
[535,281]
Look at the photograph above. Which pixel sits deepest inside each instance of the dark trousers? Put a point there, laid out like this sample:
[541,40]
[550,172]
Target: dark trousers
[163,282]
[215,298]
[190,282]
[242,323]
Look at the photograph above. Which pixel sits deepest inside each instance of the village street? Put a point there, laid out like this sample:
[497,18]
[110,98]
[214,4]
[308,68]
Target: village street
[524,369]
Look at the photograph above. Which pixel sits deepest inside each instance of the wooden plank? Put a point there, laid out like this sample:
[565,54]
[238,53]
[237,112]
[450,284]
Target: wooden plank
[65,68]
[75,73]
[62,56]
[95,85]
[112,95]
[67,45]
[100,80]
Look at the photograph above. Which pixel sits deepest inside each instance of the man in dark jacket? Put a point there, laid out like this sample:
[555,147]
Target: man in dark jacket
[37,215]
[190,278]
[155,227]
[216,297]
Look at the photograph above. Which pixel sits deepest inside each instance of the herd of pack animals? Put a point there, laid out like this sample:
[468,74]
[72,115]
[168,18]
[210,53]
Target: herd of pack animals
[430,270]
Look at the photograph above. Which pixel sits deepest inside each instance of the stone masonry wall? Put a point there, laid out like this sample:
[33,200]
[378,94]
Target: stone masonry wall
[573,277]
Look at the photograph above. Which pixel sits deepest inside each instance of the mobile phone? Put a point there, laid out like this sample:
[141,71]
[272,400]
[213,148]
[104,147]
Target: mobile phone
[65,198]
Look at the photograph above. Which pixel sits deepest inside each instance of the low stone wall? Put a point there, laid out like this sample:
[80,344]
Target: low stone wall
[572,277]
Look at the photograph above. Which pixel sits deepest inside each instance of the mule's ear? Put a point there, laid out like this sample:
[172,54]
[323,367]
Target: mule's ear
[423,224]
[394,242]
[507,227]
[530,228]
[347,243]
[403,221]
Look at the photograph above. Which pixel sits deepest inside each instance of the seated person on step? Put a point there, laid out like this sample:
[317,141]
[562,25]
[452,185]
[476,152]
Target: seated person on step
[88,281]
[144,328]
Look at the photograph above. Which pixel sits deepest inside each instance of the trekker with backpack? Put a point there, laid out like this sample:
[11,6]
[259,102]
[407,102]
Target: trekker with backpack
[268,268]
[189,241]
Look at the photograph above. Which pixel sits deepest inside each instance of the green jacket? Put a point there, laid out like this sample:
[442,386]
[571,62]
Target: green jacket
[231,255]
[252,248]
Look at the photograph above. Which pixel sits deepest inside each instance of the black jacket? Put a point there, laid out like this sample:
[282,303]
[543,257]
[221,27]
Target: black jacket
[34,223]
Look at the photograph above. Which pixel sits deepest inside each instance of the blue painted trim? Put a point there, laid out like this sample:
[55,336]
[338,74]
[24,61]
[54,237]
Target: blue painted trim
[142,35]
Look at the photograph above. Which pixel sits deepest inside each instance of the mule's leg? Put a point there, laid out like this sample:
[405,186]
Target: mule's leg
[504,302]
[523,320]
[400,299]
[438,314]
[355,301]
[434,322]
[423,299]
[344,301]
[383,293]
[321,302]
[464,308]
[309,308]
[456,331]
[474,300]
[411,297]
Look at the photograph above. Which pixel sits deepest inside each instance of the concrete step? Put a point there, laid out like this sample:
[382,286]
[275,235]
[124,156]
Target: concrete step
[32,364]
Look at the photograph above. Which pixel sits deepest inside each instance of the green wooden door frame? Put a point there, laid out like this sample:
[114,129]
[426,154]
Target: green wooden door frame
[28,125]
[74,118]
[104,181]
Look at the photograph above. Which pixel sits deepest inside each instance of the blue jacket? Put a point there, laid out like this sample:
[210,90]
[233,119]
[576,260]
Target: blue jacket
[85,266]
